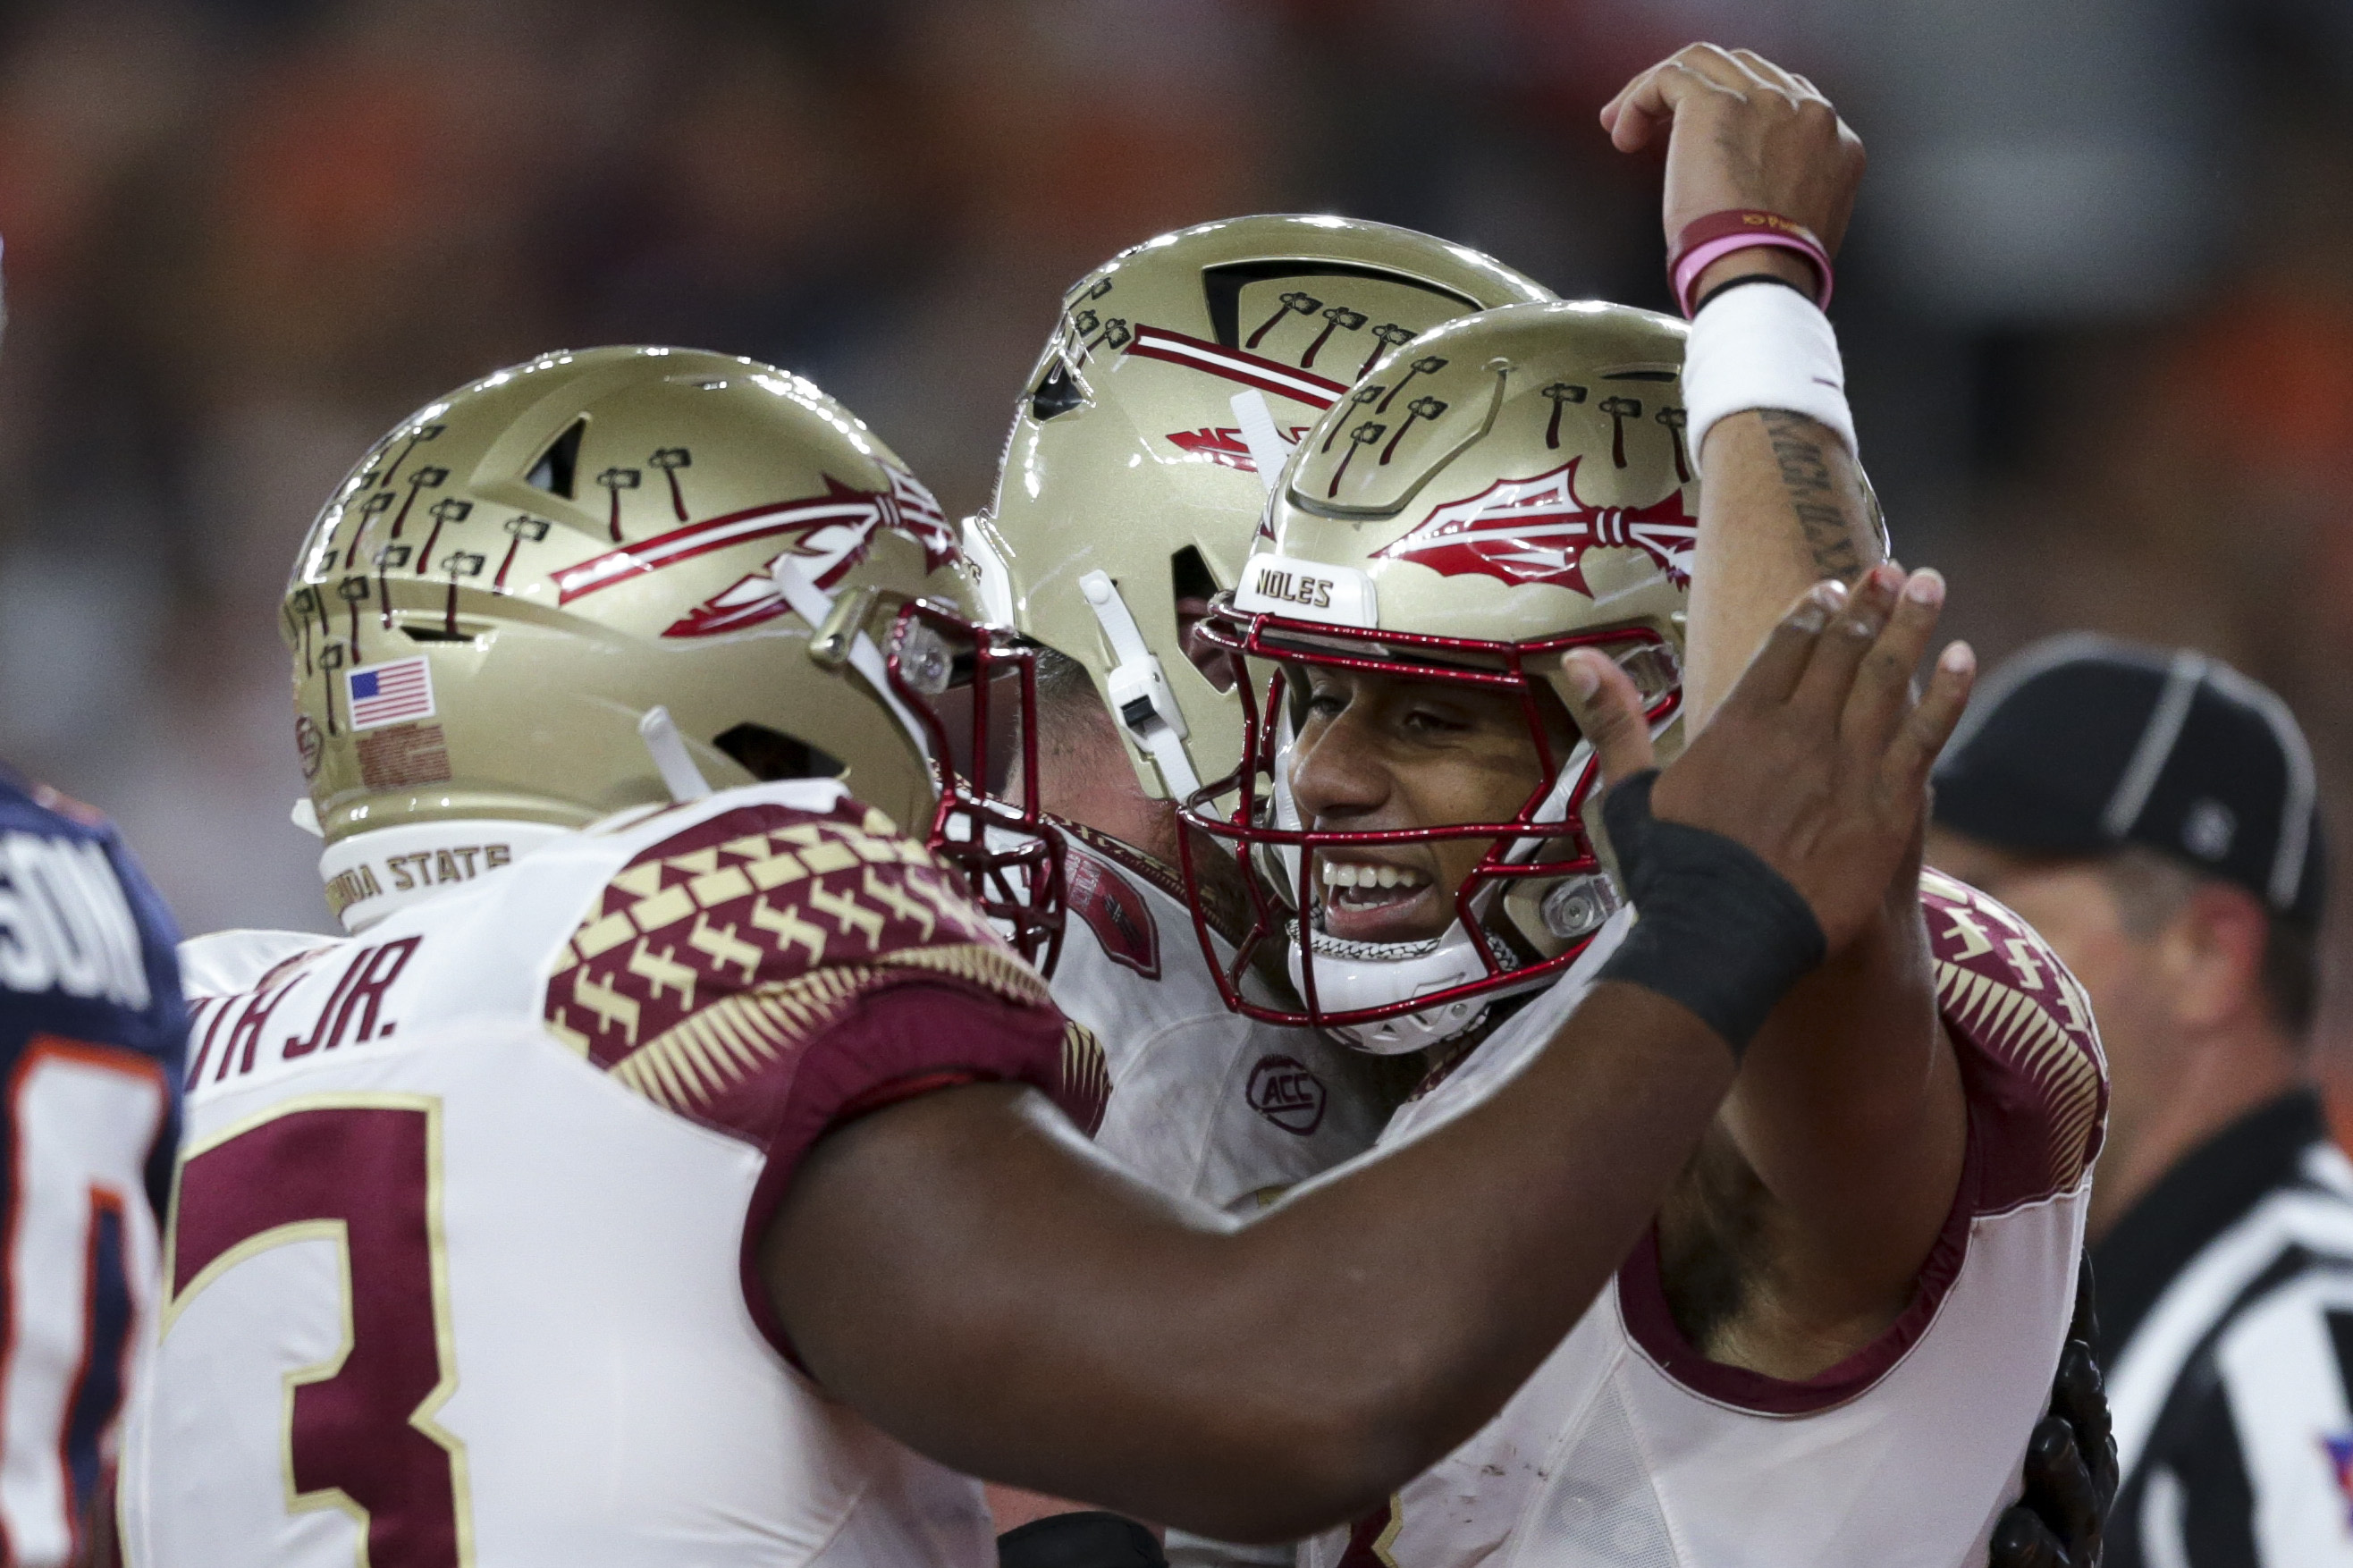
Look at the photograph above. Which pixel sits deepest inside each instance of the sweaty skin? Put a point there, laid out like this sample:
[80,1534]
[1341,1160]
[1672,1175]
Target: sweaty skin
[967,1273]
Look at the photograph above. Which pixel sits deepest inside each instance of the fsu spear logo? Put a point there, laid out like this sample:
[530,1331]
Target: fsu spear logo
[1537,531]
[829,534]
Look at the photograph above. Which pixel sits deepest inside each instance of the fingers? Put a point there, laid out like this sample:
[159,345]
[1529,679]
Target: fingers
[2085,1324]
[1608,710]
[1788,649]
[1765,74]
[1849,658]
[1883,686]
[2022,1541]
[2079,1398]
[1655,93]
[2059,1485]
[1649,103]
[1643,107]
[1829,680]
[2078,1392]
[1904,770]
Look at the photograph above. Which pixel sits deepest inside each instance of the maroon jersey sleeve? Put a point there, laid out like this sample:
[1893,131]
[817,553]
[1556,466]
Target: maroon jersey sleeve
[2037,1092]
[766,972]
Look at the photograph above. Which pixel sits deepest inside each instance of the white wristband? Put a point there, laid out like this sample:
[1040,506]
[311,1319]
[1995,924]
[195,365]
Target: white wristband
[1764,346]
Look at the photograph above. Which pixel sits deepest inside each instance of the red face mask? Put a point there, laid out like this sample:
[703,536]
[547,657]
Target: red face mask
[974,691]
[1521,916]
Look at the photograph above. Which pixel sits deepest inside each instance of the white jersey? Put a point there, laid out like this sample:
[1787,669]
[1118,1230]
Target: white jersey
[1628,1448]
[1206,1103]
[461,1270]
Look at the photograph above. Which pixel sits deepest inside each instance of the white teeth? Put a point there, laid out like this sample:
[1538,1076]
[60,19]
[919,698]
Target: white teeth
[1350,874]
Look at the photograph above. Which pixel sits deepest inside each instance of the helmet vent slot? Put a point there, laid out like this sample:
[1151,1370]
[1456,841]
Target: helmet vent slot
[557,465]
[437,633]
[1196,585]
[1057,394]
[770,755]
[1191,574]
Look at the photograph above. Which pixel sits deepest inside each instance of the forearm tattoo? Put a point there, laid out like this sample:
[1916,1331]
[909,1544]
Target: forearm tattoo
[1801,450]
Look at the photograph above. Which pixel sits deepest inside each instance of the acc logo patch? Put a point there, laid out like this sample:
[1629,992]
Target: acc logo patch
[1537,531]
[1284,1093]
[1115,912]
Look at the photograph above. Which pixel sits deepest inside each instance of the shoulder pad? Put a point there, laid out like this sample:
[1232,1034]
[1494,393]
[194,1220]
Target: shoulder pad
[723,948]
[2025,1027]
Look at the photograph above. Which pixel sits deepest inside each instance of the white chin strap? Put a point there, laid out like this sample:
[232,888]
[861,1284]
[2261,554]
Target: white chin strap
[369,875]
[815,605]
[1140,697]
[1356,974]
[1349,975]
[1268,451]
[679,775]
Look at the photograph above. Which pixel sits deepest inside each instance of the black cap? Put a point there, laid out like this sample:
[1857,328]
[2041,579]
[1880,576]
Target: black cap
[2083,745]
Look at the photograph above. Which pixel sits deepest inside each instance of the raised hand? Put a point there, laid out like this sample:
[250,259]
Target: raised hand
[1819,760]
[1743,132]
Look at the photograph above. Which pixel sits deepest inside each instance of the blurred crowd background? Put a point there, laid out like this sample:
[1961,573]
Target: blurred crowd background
[2097,302]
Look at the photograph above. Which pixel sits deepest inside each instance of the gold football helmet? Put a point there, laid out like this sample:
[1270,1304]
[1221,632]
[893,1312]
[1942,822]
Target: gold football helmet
[623,577]
[1505,486]
[1165,399]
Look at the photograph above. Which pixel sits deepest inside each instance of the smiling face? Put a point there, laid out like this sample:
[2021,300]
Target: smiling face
[1378,752]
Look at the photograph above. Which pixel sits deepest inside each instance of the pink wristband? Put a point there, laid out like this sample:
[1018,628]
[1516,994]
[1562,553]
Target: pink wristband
[1718,234]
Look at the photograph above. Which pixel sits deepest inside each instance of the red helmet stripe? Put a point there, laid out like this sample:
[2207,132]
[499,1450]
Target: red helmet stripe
[1158,343]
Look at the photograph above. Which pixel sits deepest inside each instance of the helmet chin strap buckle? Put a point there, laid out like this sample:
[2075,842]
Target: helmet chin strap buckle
[816,606]
[1139,690]
[679,775]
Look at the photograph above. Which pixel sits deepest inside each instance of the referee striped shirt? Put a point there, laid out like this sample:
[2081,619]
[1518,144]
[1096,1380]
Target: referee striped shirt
[2226,1306]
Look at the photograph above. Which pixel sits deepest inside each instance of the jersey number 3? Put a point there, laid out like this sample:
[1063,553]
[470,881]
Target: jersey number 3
[364,1172]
